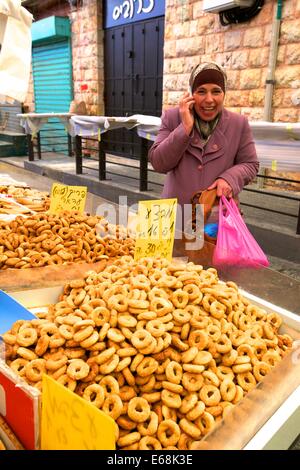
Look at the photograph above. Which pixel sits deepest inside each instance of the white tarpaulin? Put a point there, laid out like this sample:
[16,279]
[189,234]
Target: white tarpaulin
[277,143]
[146,126]
[15,52]
[33,122]
[276,131]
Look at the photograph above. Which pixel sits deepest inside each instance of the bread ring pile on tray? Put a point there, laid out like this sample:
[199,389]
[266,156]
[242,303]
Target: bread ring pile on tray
[33,199]
[164,348]
[70,237]
[9,207]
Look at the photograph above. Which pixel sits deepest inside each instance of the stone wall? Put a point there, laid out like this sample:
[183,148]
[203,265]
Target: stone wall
[87,53]
[192,36]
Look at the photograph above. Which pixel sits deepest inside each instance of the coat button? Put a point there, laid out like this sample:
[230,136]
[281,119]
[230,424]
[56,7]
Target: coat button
[215,146]
[200,167]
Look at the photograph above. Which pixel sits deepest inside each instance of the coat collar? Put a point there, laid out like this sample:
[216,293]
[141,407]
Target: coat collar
[215,145]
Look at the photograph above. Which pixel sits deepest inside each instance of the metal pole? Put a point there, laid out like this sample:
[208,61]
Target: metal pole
[298,222]
[144,166]
[270,79]
[78,154]
[70,150]
[30,147]
[39,145]
[102,161]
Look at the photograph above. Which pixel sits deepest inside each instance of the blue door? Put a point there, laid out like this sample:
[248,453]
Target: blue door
[53,90]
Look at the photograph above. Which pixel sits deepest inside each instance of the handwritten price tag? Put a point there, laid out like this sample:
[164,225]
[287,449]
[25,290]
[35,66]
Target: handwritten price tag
[155,228]
[274,165]
[67,198]
[71,423]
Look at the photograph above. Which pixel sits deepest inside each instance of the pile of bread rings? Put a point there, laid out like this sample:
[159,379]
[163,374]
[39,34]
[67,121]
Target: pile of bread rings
[163,348]
[45,239]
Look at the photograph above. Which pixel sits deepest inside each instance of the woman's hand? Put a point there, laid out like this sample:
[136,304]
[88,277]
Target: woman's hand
[223,188]
[186,105]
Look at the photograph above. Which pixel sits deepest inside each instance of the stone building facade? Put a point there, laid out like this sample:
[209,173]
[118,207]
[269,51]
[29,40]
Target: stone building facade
[191,36]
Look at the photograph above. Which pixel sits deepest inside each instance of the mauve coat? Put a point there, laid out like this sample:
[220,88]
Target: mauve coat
[191,166]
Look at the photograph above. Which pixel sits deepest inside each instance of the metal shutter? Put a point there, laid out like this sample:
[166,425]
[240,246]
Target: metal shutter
[53,90]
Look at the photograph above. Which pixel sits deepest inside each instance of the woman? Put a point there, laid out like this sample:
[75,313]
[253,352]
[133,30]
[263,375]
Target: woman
[201,145]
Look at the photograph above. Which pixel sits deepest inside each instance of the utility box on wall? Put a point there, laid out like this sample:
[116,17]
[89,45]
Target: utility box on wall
[214,6]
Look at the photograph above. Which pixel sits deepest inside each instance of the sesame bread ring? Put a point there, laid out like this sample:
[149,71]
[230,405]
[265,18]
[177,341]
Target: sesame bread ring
[78,369]
[149,443]
[113,406]
[138,409]
[66,381]
[27,337]
[94,393]
[168,433]
[260,370]
[210,395]
[174,372]
[35,369]
[149,426]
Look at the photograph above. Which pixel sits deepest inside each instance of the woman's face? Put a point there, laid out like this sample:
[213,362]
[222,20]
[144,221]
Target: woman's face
[209,100]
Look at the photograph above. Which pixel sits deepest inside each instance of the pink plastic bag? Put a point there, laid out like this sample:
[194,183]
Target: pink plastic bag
[235,244]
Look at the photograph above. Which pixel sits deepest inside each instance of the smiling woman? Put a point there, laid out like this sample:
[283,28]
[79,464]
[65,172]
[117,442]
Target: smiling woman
[201,145]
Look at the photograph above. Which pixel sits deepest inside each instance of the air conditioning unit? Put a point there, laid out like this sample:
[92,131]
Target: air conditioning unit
[214,6]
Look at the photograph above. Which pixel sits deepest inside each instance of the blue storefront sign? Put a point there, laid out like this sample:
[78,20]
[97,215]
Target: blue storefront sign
[118,12]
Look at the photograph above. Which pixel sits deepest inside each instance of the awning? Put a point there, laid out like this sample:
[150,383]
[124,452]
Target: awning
[15,52]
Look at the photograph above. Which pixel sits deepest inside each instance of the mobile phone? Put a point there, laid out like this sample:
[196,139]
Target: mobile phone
[191,94]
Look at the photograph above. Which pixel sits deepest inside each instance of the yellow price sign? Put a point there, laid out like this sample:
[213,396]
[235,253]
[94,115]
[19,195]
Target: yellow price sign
[67,198]
[274,165]
[155,228]
[71,423]
[290,131]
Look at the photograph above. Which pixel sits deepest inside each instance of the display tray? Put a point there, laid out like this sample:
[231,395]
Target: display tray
[260,418]
[268,416]
[265,283]
[16,279]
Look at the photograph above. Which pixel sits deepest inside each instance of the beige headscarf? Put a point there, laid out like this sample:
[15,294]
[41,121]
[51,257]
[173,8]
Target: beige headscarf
[201,73]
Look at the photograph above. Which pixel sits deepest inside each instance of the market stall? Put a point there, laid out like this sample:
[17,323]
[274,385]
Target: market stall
[266,397]
[165,354]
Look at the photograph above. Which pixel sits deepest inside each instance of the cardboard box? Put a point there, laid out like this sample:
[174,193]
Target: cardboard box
[19,403]
[19,406]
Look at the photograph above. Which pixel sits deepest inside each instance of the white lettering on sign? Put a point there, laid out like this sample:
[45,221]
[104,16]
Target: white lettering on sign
[127,8]
[149,8]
